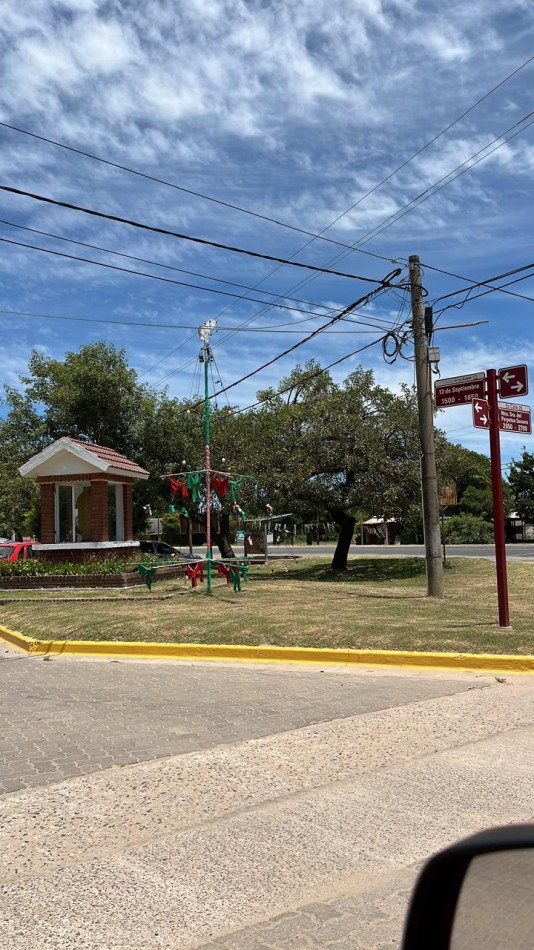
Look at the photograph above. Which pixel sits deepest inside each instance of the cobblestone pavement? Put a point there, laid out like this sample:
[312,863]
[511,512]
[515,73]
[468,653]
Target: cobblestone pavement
[66,717]
[264,807]
[371,919]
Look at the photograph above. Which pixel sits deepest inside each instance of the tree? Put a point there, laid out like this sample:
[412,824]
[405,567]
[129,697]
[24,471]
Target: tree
[479,502]
[22,434]
[315,446]
[521,480]
[471,473]
[91,395]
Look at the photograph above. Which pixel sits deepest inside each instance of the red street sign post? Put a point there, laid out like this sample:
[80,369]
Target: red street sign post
[513,381]
[459,390]
[482,390]
[498,500]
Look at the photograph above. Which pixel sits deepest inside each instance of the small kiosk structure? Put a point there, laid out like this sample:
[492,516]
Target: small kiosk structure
[86,499]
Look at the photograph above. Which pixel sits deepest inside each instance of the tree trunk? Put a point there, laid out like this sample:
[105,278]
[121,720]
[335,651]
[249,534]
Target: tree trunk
[222,536]
[346,525]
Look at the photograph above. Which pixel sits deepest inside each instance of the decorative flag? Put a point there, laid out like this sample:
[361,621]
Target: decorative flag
[220,485]
[193,485]
[178,487]
[195,572]
[235,485]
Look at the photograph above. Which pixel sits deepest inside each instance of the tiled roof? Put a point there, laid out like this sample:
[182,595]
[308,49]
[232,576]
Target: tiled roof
[112,458]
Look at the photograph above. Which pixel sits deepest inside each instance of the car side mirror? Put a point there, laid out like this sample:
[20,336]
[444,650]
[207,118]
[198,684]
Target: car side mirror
[476,895]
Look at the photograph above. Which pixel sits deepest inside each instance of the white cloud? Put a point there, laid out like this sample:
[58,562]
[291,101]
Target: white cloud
[294,110]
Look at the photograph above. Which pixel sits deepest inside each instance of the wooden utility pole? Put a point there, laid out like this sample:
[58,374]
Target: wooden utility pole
[434,564]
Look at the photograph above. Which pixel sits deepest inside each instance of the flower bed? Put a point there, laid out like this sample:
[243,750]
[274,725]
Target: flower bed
[110,572]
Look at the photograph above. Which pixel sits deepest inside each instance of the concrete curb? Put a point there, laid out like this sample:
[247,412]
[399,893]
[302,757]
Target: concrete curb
[488,662]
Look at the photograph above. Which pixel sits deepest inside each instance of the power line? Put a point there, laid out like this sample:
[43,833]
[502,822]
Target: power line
[305,379]
[310,336]
[383,285]
[165,280]
[315,236]
[182,237]
[188,191]
[235,207]
[468,299]
[434,139]
[173,372]
[357,245]
[226,204]
[246,328]
[441,183]
[144,260]
[388,222]
[480,283]
[169,326]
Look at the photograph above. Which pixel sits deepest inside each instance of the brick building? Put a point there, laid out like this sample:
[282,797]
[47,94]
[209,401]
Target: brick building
[86,499]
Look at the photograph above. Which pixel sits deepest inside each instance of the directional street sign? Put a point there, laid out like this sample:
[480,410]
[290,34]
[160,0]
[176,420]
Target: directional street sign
[481,418]
[513,381]
[459,390]
[512,416]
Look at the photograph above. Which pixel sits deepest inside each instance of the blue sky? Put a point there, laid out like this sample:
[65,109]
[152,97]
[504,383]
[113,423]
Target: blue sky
[294,111]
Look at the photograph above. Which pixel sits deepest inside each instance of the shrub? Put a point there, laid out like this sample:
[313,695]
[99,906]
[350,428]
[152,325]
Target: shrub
[467,529]
[36,567]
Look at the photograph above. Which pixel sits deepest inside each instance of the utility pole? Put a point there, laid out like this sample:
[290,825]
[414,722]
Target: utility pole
[206,357]
[434,564]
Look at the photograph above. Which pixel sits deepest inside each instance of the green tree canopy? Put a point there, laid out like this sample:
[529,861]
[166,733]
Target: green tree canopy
[91,395]
[521,480]
[316,446]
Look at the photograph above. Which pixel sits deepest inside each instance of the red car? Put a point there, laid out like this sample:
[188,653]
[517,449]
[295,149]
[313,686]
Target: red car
[16,550]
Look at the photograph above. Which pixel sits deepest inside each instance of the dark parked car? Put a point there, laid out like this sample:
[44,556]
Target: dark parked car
[166,551]
[159,549]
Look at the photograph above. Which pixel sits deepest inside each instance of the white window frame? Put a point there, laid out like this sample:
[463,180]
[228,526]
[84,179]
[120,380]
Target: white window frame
[76,490]
[119,510]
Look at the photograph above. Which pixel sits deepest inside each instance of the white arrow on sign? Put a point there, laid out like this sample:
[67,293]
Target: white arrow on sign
[479,408]
[509,376]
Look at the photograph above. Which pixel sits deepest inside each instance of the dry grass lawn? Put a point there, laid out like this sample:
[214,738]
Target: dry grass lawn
[379,603]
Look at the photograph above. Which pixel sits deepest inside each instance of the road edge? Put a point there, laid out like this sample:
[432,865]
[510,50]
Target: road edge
[487,662]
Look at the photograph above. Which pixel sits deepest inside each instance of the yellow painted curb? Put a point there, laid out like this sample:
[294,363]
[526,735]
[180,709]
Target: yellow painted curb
[490,662]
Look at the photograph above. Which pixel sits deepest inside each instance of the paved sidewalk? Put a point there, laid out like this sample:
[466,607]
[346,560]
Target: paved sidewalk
[66,717]
[260,807]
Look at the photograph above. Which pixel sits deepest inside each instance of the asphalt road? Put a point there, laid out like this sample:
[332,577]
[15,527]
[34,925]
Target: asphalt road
[515,551]
[241,807]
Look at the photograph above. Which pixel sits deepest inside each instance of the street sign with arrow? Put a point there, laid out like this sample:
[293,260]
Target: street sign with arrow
[511,416]
[480,413]
[513,381]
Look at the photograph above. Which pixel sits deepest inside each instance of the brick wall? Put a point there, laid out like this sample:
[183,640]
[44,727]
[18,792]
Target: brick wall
[99,504]
[48,523]
[99,511]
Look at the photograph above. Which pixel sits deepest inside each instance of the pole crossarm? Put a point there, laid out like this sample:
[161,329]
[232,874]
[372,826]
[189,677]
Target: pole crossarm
[213,471]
